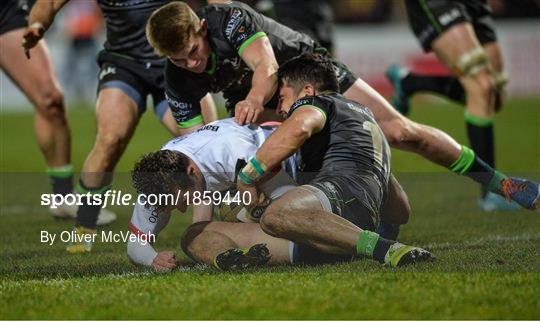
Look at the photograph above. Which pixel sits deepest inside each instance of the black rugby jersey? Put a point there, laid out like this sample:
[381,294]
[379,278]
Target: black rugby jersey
[351,140]
[126,23]
[231,27]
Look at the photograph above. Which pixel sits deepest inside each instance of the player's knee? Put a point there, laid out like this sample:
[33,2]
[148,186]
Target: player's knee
[111,141]
[273,220]
[50,104]
[190,234]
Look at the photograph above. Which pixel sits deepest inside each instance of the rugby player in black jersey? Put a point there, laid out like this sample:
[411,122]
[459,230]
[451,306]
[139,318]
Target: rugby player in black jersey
[345,163]
[230,48]
[130,72]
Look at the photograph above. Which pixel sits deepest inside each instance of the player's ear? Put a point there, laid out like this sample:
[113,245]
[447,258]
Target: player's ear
[309,90]
[203,27]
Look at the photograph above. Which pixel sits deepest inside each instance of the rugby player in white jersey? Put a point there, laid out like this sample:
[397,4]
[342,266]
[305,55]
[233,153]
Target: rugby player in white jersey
[209,160]
[206,160]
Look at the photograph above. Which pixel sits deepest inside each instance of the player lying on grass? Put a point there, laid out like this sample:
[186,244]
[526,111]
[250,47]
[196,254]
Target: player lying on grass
[208,160]
[230,48]
[358,200]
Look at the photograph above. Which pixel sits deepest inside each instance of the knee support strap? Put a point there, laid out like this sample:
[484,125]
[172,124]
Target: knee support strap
[471,62]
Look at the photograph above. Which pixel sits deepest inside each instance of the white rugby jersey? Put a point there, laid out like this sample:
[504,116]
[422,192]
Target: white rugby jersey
[216,149]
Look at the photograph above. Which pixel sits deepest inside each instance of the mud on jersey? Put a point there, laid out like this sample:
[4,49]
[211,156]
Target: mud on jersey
[231,28]
[350,140]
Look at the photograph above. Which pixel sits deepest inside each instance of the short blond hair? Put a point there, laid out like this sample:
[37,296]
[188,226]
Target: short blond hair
[170,27]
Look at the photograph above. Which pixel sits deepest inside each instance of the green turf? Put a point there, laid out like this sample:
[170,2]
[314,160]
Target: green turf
[488,265]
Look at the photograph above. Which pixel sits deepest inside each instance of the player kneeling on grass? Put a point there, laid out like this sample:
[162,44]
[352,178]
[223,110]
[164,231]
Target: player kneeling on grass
[345,161]
[326,220]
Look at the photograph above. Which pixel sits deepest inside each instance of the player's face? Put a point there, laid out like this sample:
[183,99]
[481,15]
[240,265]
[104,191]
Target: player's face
[194,57]
[287,97]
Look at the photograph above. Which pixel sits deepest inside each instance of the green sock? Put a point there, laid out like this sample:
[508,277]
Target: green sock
[61,179]
[470,165]
[370,244]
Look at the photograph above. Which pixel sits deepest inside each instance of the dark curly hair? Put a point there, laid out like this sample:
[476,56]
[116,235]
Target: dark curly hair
[313,69]
[161,172]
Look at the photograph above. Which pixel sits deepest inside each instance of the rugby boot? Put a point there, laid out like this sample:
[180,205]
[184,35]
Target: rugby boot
[524,192]
[238,258]
[494,202]
[400,255]
[65,211]
[81,240]
[395,74]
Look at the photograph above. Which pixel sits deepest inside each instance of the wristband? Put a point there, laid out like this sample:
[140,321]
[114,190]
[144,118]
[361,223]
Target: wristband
[37,25]
[252,172]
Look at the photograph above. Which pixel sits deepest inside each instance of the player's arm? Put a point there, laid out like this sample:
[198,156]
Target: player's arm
[258,54]
[289,137]
[40,19]
[140,251]
[208,109]
[305,121]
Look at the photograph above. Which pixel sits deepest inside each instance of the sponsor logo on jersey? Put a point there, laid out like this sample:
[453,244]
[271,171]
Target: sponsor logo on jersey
[300,102]
[107,71]
[234,21]
[181,108]
[213,128]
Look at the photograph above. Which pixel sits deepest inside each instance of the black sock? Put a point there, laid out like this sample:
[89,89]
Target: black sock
[61,179]
[382,248]
[447,86]
[88,212]
[470,165]
[372,245]
[482,141]
[388,231]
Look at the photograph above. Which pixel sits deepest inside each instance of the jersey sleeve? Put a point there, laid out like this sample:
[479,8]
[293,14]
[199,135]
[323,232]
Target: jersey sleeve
[241,29]
[313,102]
[184,94]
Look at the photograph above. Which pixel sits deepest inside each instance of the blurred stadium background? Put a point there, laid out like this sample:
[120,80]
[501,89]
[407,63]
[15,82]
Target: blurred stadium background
[369,35]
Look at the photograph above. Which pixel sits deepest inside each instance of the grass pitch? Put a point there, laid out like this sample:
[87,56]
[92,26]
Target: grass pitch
[488,264]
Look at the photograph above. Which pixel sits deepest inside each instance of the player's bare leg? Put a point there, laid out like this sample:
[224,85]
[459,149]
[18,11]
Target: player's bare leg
[459,49]
[117,117]
[36,78]
[395,211]
[299,216]
[225,244]
[438,147]
[402,133]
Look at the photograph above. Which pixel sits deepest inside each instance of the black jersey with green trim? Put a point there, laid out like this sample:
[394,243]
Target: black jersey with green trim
[351,140]
[231,27]
[125,25]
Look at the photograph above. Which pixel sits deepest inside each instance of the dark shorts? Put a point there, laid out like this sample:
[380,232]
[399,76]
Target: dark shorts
[136,79]
[430,18]
[355,197]
[13,15]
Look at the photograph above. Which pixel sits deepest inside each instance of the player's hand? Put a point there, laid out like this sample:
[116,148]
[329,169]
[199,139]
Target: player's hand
[250,190]
[32,35]
[247,112]
[164,261]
